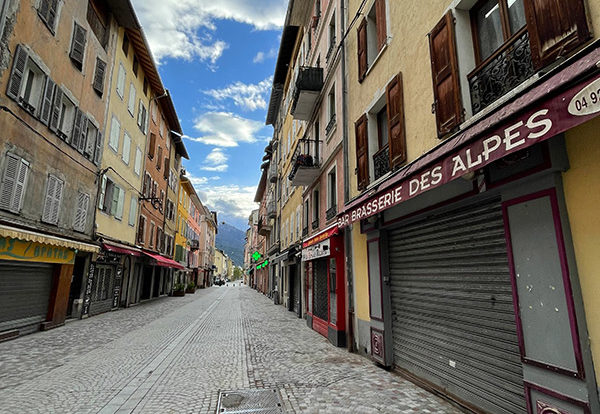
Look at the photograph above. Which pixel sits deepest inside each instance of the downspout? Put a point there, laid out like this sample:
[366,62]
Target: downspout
[347,232]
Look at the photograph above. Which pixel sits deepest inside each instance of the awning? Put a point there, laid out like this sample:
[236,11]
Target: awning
[561,102]
[121,249]
[13,233]
[164,261]
[322,235]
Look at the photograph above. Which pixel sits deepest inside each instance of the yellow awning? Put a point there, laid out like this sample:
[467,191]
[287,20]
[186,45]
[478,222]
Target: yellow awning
[26,235]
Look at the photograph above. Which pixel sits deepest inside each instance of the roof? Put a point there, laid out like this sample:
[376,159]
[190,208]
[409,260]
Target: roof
[125,15]
[260,191]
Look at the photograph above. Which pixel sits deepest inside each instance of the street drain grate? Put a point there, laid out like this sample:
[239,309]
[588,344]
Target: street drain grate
[249,401]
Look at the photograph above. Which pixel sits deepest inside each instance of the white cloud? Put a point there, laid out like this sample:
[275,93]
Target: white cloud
[247,96]
[229,200]
[183,29]
[262,56]
[216,161]
[225,129]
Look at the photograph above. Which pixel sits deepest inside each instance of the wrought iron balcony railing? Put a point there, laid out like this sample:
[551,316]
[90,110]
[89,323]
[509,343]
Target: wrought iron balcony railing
[506,69]
[381,162]
[330,124]
[332,47]
[305,163]
[315,224]
[309,84]
[331,212]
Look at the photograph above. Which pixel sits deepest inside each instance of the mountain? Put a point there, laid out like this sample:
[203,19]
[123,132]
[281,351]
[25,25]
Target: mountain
[231,240]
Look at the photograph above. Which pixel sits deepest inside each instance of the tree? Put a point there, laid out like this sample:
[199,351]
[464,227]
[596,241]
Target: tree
[237,273]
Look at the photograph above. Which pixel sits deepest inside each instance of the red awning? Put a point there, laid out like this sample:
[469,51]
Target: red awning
[164,261]
[121,249]
[544,111]
[322,236]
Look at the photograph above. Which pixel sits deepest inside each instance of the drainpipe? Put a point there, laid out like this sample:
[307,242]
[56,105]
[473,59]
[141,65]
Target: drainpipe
[347,232]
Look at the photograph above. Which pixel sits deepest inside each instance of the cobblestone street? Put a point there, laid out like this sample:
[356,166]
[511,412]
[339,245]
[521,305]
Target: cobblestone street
[174,355]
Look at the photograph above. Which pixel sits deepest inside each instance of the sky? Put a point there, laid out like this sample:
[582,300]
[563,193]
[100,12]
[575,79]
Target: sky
[217,58]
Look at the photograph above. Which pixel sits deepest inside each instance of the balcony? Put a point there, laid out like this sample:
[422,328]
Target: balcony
[272,174]
[506,69]
[194,245]
[331,212]
[315,224]
[308,88]
[264,228]
[271,209]
[305,231]
[330,125]
[381,162]
[306,167]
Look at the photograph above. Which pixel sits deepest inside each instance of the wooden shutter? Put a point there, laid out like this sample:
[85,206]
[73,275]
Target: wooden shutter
[90,143]
[76,132]
[151,148]
[102,195]
[83,201]
[159,158]
[166,170]
[9,180]
[381,23]
[556,27]
[120,203]
[20,183]
[78,45]
[444,68]
[99,147]
[56,108]
[53,200]
[51,19]
[83,135]
[44,8]
[17,74]
[362,152]
[145,186]
[396,131]
[362,50]
[47,101]
[99,76]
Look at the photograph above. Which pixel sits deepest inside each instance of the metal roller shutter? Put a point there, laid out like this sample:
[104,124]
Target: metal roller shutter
[24,294]
[453,317]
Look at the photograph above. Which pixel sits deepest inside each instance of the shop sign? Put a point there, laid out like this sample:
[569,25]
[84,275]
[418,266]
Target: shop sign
[316,251]
[87,299]
[320,237]
[28,251]
[548,119]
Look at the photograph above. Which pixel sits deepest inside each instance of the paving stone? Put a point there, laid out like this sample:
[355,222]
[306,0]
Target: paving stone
[174,355]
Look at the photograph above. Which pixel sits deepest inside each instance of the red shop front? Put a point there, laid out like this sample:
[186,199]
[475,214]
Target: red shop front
[323,259]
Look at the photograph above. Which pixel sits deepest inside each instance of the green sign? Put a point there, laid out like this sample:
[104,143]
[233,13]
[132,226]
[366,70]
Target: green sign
[262,265]
[256,256]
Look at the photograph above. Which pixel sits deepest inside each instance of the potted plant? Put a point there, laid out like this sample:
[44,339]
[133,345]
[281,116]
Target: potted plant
[191,288]
[179,289]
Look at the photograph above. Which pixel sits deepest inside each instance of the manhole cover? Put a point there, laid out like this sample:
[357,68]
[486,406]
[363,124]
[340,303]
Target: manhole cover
[249,401]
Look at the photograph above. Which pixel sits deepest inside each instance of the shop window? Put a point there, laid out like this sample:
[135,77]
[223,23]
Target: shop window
[53,200]
[14,183]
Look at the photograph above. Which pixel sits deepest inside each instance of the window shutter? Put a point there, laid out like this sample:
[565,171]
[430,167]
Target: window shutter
[109,197]
[99,76]
[145,186]
[83,135]
[102,194]
[362,152]
[131,102]
[83,201]
[9,181]
[78,45]
[76,133]
[362,50]
[90,145]
[58,191]
[396,131]
[166,170]
[120,203]
[16,76]
[381,23]
[556,27]
[99,145]
[53,200]
[20,183]
[47,102]
[56,108]
[151,148]
[52,14]
[44,8]
[159,157]
[444,68]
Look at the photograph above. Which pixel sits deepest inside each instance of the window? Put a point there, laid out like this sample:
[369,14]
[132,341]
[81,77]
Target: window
[138,161]
[126,148]
[131,102]
[47,11]
[159,158]
[141,230]
[99,75]
[111,199]
[121,81]
[306,215]
[115,132]
[78,46]
[151,239]
[147,185]
[96,18]
[53,199]
[298,215]
[331,112]
[135,65]
[494,22]
[332,39]
[89,140]
[81,212]
[63,119]
[372,37]
[154,111]
[125,45]
[142,115]
[331,190]
[27,85]
[145,87]
[166,170]
[152,146]
[133,210]
[14,182]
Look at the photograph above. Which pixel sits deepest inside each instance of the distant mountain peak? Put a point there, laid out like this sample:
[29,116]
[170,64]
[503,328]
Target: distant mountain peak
[230,239]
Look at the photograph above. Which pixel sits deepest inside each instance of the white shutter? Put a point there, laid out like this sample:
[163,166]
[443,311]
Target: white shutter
[92,136]
[47,101]
[120,202]
[102,193]
[83,201]
[58,192]
[138,161]
[115,131]
[9,182]
[49,199]
[132,211]
[17,74]
[121,81]
[126,148]
[131,103]
[20,183]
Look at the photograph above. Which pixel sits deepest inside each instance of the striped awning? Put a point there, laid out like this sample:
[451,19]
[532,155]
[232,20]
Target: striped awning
[14,233]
